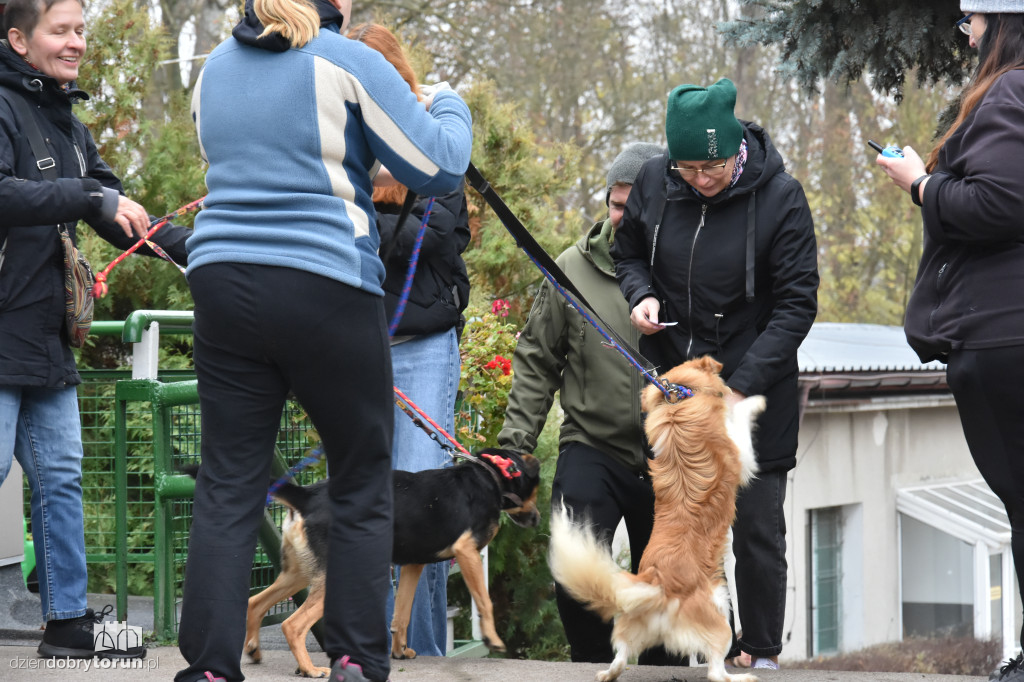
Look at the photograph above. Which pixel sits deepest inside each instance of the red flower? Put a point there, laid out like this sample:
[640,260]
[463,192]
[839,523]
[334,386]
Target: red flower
[498,361]
[500,307]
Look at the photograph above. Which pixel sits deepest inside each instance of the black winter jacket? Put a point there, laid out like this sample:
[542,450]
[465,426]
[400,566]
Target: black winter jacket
[701,256]
[34,347]
[440,287]
[968,289]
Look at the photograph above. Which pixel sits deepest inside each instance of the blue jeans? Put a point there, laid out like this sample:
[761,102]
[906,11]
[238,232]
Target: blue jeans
[426,368]
[41,427]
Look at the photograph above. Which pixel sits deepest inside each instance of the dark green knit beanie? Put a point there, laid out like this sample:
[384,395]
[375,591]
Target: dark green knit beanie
[700,124]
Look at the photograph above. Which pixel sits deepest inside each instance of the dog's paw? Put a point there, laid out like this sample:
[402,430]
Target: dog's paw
[494,646]
[252,649]
[405,653]
[315,672]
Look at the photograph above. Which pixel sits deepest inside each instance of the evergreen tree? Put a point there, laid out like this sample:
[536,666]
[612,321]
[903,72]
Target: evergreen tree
[842,41]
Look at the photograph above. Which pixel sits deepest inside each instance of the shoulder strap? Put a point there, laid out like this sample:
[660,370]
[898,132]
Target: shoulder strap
[30,127]
[385,249]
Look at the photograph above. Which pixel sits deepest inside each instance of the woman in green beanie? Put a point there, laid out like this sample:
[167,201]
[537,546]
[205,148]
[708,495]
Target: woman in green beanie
[717,240]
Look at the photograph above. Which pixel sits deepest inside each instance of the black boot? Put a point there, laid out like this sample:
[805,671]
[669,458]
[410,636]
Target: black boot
[1012,671]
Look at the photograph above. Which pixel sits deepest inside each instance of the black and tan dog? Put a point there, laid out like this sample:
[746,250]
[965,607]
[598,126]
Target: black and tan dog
[439,514]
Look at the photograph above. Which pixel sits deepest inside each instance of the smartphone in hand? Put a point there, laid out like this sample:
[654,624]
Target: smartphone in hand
[891,151]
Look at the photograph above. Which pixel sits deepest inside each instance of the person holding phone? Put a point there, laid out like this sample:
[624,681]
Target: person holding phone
[966,308]
[716,255]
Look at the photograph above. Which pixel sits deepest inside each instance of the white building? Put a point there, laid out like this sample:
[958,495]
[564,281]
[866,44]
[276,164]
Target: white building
[891,531]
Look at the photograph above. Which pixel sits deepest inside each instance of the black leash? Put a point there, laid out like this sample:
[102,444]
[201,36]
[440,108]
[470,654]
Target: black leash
[561,281]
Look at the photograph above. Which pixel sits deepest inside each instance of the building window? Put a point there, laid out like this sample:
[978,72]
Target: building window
[995,581]
[826,579]
[938,582]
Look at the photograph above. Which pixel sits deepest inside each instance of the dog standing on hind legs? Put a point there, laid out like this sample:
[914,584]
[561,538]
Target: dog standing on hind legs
[439,514]
[703,452]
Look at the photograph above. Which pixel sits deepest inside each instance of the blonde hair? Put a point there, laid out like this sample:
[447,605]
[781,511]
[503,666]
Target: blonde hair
[296,20]
[384,41]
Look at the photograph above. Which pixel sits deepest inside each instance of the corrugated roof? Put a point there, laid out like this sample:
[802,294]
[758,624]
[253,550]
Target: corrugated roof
[848,347]
[967,510]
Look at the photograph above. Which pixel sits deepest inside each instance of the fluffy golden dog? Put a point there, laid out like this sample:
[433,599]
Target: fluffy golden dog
[702,454]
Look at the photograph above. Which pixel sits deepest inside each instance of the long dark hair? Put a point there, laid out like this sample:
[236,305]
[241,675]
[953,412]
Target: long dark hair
[1000,49]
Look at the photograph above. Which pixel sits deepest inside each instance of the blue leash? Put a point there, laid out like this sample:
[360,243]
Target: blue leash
[673,392]
[413,260]
[292,471]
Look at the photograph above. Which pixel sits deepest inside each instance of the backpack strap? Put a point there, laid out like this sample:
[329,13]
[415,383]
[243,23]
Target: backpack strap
[30,127]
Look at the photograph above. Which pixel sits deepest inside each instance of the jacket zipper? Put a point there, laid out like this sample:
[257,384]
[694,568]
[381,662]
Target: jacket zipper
[689,280]
[654,244]
[81,159]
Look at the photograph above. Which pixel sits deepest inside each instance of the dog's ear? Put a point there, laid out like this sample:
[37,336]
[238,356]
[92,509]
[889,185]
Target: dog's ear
[531,465]
[709,364]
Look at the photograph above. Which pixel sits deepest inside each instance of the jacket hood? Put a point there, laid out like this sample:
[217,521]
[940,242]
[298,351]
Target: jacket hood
[19,75]
[596,244]
[763,159]
[248,30]
[763,162]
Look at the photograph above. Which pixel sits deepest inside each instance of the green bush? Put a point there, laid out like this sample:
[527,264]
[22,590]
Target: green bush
[521,586]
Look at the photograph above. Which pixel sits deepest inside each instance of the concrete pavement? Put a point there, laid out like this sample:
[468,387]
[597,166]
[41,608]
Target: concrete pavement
[20,663]
[20,635]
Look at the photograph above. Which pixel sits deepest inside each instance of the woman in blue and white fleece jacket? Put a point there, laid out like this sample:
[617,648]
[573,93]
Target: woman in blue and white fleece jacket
[294,119]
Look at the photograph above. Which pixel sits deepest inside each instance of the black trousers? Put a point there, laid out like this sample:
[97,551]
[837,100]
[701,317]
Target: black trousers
[986,385]
[759,543]
[261,332]
[596,487]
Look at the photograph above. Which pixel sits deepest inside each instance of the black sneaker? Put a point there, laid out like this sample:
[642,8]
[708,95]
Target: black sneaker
[1012,671]
[75,638]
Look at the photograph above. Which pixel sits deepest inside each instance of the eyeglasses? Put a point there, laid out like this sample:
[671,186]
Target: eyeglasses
[965,24]
[716,171]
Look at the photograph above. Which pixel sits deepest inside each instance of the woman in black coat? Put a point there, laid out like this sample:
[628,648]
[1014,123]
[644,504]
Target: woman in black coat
[425,357]
[39,419]
[966,308]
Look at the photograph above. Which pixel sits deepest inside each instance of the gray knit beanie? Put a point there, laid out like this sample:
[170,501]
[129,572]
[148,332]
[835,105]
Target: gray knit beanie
[627,164]
[993,6]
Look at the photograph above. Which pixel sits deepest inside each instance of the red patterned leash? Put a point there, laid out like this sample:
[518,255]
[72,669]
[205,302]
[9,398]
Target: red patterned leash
[100,288]
[438,429]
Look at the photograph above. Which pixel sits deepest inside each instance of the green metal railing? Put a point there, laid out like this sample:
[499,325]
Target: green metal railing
[171,490]
[140,432]
[137,529]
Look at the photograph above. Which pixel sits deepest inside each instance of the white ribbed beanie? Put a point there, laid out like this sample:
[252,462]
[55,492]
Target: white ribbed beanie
[993,6]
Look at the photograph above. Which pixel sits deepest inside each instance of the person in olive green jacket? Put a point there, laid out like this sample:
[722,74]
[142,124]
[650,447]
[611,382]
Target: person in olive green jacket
[602,466]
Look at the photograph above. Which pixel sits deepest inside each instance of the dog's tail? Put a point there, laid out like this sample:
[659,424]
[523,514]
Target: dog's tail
[585,568]
[297,497]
